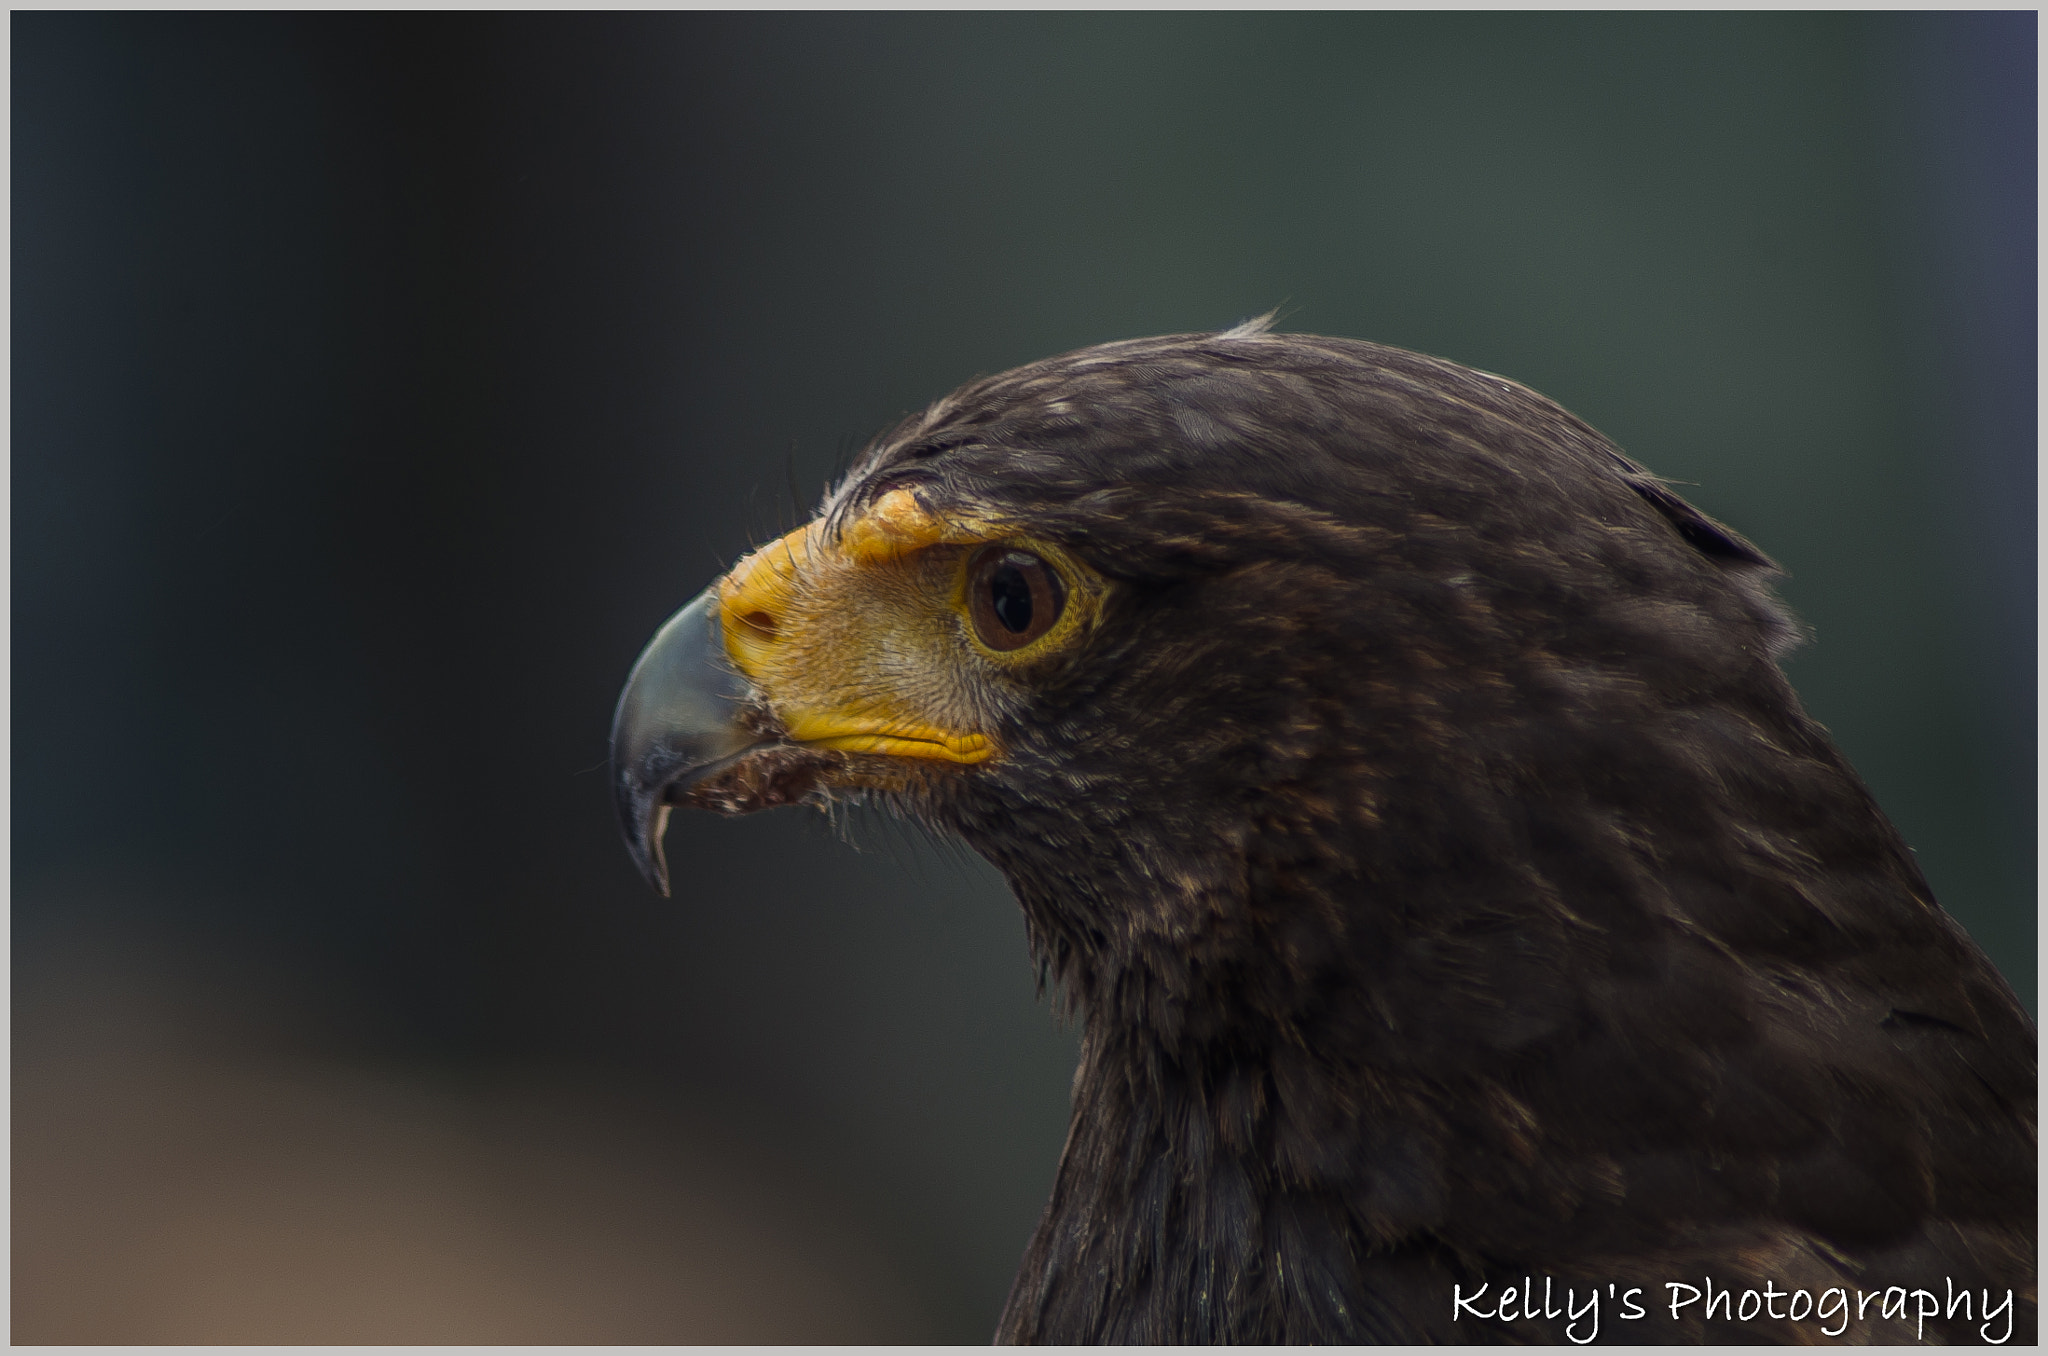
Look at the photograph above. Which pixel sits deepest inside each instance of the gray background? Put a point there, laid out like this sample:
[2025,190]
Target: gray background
[381,382]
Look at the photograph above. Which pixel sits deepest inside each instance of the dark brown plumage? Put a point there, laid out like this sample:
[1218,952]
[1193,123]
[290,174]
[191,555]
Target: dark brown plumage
[1449,883]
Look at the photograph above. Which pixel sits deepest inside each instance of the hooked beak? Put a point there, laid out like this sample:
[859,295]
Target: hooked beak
[741,702]
[677,723]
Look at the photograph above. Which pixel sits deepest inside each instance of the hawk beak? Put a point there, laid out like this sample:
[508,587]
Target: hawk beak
[677,722]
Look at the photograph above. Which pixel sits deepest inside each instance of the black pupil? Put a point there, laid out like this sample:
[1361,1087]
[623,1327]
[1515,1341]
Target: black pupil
[1011,593]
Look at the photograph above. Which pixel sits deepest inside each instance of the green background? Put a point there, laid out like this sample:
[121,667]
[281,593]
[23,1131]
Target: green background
[380,383]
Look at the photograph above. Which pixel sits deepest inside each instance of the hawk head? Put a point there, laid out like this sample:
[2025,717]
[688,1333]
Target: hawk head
[1167,627]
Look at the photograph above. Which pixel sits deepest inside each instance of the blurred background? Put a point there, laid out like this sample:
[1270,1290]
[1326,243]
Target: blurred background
[381,382]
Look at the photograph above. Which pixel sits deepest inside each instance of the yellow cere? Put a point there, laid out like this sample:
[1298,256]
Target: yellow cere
[840,636]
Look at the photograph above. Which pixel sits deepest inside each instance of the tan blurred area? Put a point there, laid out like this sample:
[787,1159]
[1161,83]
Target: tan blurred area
[178,1178]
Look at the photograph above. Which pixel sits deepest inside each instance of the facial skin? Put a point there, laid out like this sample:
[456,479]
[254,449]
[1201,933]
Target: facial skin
[874,651]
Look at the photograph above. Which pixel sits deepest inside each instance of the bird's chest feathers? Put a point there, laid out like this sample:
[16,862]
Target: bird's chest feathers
[1222,1202]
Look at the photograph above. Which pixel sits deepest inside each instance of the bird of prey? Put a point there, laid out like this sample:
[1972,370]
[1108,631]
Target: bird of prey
[1473,939]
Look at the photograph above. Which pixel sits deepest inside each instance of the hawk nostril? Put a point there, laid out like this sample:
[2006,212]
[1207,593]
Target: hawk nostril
[760,621]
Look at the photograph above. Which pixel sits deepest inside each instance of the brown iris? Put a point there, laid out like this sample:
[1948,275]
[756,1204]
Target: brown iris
[1013,597]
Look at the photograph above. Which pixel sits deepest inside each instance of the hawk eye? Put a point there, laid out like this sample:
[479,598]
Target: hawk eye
[1013,597]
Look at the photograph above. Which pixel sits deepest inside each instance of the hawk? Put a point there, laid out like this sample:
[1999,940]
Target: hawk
[1471,934]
